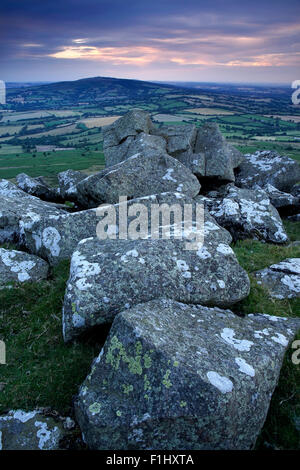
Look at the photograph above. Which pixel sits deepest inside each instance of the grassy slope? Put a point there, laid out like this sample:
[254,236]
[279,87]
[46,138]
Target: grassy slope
[42,371]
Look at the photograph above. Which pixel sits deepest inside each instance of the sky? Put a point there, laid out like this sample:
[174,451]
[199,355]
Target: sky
[253,41]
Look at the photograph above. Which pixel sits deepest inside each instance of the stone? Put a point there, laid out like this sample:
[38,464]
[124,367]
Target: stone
[37,188]
[173,376]
[107,276]
[140,175]
[282,280]
[145,143]
[131,124]
[18,213]
[247,213]
[68,181]
[30,430]
[17,266]
[267,167]
[285,203]
[179,139]
[221,158]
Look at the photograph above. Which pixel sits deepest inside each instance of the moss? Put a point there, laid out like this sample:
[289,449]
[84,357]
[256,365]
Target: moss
[166,381]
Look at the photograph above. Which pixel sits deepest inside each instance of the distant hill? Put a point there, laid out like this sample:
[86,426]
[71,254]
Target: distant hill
[89,91]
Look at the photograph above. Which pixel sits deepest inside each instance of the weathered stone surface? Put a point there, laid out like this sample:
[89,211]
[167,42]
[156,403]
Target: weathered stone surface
[140,175]
[145,143]
[30,430]
[131,124]
[108,276]
[19,211]
[220,157]
[268,167]
[247,214]
[282,280]
[37,188]
[68,181]
[285,203]
[20,267]
[175,376]
[179,139]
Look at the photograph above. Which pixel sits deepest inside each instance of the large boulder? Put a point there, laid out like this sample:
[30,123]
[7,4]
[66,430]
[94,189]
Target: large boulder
[19,211]
[246,214]
[31,430]
[37,187]
[145,143]
[220,157]
[18,266]
[140,175]
[268,167]
[118,136]
[282,280]
[174,376]
[108,276]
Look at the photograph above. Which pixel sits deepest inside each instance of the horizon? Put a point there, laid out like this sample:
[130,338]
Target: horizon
[201,42]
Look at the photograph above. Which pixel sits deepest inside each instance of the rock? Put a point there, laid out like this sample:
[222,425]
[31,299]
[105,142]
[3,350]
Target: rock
[268,167]
[179,139]
[18,213]
[285,203]
[68,181]
[175,376]
[295,191]
[282,280]
[109,275]
[140,175]
[220,157]
[20,267]
[30,430]
[37,188]
[247,213]
[118,136]
[149,145]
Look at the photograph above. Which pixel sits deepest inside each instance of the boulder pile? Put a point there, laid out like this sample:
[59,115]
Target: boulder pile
[178,369]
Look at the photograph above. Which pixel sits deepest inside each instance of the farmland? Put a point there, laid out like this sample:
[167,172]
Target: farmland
[46,129]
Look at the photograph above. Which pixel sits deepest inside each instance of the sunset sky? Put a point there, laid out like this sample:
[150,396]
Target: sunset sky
[171,40]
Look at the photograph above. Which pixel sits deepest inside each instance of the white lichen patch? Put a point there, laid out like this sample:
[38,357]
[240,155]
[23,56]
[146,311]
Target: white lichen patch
[78,321]
[245,367]
[224,249]
[203,253]
[280,339]
[168,175]
[240,344]
[48,439]
[131,253]
[50,240]
[223,384]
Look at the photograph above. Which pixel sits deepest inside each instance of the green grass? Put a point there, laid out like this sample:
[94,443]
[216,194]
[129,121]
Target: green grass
[41,369]
[279,431]
[49,165]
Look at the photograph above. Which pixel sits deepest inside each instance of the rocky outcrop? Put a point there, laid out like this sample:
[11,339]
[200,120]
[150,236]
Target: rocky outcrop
[175,376]
[204,151]
[282,280]
[108,276]
[17,266]
[285,203]
[246,214]
[32,430]
[267,167]
[140,175]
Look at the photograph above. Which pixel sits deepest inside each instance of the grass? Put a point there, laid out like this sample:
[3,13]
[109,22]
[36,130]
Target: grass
[41,369]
